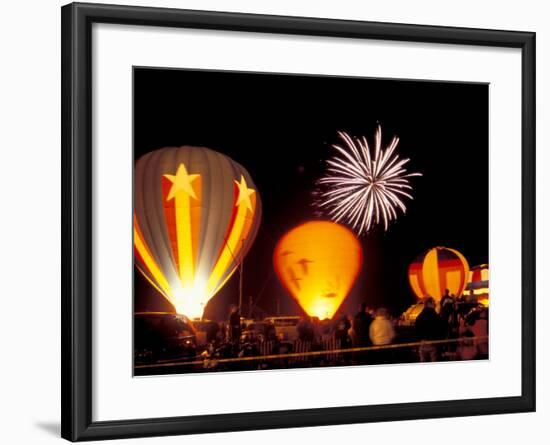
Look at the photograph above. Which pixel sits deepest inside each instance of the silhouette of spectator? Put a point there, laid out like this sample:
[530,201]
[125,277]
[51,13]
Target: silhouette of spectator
[480,329]
[222,333]
[446,304]
[341,332]
[306,330]
[381,333]
[471,298]
[381,330]
[234,323]
[361,326]
[475,324]
[447,312]
[429,327]
[270,332]
[212,330]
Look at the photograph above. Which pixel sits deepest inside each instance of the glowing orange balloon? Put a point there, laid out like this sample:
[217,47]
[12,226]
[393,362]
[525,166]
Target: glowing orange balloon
[438,269]
[318,262]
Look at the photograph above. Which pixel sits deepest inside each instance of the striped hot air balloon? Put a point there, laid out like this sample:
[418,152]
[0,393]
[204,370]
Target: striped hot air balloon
[438,269]
[478,282]
[196,214]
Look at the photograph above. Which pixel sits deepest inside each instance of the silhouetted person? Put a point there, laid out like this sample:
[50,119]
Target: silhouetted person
[341,332]
[212,330]
[381,333]
[446,299]
[361,325]
[467,303]
[429,327]
[270,332]
[475,324]
[342,336]
[447,310]
[221,336]
[480,328]
[381,330]
[306,330]
[234,324]
[471,298]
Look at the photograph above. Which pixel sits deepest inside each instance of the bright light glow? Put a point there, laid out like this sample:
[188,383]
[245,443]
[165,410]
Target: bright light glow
[321,308]
[190,300]
[190,305]
[364,188]
[481,291]
[483,301]
[318,262]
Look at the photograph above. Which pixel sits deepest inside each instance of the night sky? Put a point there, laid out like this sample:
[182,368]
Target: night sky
[281,127]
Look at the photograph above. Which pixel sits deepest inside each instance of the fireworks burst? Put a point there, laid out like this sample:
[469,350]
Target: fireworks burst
[362,188]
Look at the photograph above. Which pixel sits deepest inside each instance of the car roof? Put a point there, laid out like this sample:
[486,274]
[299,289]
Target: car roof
[160,314]
[155,313]
[284,317]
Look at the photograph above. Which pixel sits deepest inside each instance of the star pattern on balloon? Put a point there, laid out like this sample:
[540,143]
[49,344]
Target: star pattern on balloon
[244,194]
[181,181]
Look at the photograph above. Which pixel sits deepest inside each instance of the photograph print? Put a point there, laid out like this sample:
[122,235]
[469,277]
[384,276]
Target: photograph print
[296,221]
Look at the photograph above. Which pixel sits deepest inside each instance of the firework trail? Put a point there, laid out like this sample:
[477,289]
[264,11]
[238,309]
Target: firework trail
[362,187]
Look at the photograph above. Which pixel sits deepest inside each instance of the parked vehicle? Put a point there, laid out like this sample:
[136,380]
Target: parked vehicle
[408,317]
[286,327]
[160,336]
[258,331]
[206,331]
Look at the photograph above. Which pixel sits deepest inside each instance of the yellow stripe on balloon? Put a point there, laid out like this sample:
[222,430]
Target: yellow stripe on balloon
[155,285]
[222,283]
[430,275]
[238,253]
[182,191]
[466,270]
[151,264]
[184,238]
[414,279]
[230,250]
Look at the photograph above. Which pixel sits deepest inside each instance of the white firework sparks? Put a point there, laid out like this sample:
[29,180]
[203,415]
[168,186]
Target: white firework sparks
[362,188]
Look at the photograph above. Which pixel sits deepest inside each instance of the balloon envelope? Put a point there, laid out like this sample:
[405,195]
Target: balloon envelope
[478,283]
[318,262]
[438,269]
[196,214]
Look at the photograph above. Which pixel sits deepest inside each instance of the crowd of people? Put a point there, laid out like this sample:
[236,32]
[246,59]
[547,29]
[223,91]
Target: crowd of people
[453,329]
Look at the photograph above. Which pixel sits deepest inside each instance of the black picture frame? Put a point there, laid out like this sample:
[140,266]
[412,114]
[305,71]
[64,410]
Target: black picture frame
[76,418]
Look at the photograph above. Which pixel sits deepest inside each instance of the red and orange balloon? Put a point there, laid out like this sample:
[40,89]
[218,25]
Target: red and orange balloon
[438,269]
[478,283]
